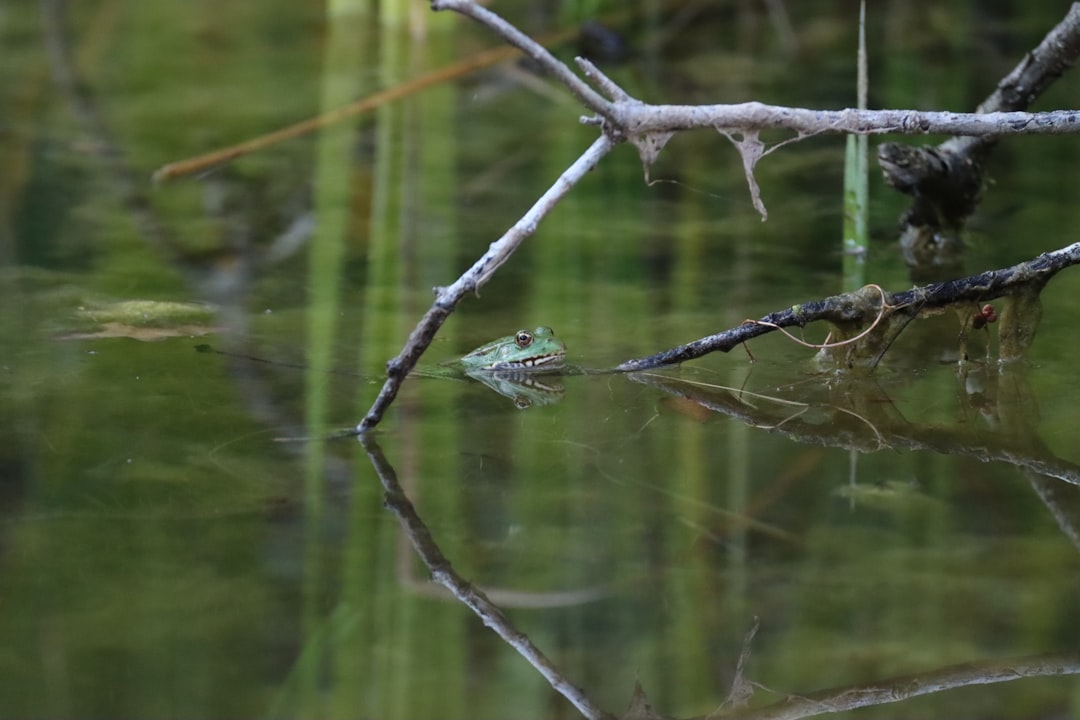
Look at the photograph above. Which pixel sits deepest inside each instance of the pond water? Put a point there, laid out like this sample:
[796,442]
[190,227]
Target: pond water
[180,539]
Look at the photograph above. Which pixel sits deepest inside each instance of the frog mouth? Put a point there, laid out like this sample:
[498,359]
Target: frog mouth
[540,361]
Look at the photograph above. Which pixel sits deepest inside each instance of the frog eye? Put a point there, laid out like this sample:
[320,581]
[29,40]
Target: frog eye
[523,339]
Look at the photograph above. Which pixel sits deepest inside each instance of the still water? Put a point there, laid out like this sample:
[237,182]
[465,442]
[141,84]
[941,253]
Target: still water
[179,539]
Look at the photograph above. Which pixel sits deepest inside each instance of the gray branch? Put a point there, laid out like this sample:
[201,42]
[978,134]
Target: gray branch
[638,118]
[648,127]
[627,117]
[447,298]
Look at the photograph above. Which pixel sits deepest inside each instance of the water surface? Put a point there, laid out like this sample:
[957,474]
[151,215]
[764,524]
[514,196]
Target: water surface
[172,546]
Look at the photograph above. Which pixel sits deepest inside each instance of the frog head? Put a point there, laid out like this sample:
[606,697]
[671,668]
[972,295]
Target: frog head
[525,350]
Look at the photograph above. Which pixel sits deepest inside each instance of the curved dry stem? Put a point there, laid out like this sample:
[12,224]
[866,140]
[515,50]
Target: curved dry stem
[839,343]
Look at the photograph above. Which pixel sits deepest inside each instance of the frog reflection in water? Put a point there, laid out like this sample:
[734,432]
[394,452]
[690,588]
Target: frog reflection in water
[515,366]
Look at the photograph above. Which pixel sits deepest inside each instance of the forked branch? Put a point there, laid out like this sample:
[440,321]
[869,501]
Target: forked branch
[625,118]
[648,127]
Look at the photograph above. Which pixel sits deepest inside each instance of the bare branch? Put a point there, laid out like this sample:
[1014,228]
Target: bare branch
[649,127]
[601,80]
[633,117]
[1039,68]
[637,117]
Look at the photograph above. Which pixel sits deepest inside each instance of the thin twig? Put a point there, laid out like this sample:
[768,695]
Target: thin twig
[537,52]
[201,163]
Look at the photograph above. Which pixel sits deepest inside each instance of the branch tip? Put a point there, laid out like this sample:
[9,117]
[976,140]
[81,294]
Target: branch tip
[602,81]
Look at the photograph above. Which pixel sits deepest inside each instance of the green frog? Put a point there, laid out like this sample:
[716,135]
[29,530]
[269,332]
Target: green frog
[514,366]
[524,351]
[518,366]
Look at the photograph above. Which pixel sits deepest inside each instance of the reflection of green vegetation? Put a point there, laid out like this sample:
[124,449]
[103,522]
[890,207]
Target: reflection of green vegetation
[147,313]
[155,541]
[139,544]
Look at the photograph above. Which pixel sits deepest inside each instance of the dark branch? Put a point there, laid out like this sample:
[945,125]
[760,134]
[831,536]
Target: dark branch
[862,307]
[946,181]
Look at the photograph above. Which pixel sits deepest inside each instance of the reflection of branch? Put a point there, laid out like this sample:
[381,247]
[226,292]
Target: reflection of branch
[503,597]
[1065,509]
[862,306]
[911,686]
[794,706]
[841,431]
[444,574]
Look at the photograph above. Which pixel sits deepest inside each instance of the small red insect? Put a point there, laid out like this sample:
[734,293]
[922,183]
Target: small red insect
[987,314]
